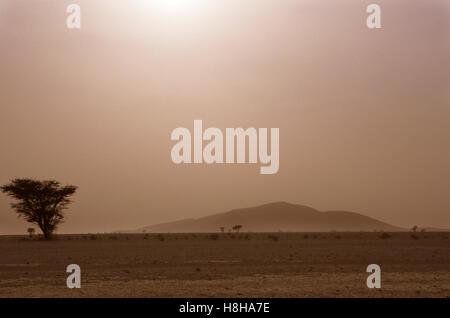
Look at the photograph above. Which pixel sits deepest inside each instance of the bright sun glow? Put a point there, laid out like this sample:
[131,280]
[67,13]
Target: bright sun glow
[171,7]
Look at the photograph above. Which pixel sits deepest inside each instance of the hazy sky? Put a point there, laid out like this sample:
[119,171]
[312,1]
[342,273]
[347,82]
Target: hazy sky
[364,115]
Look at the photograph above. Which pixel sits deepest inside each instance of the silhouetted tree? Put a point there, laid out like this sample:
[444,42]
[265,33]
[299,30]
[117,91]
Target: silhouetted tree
[415,228]
[40,202]
[237,227]
[222,229]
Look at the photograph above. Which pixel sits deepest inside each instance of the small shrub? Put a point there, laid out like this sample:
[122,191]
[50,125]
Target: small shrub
[214,236]
[385,235]
[273,237]
[237,228]
[31,231]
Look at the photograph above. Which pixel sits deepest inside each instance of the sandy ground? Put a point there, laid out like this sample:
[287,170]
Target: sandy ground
[224,265]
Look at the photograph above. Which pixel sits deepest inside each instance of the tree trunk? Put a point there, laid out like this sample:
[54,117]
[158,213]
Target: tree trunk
[45,232]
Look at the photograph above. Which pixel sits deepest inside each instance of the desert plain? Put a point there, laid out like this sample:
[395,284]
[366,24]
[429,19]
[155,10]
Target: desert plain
[328,264]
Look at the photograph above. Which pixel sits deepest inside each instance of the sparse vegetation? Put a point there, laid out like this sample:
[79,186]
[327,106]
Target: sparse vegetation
[385,235]
[30,231]
[414,236]
[237,228]
[414,230]
[214,236]
[274,257]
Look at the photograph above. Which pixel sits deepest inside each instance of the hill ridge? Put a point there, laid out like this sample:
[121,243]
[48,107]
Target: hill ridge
[274,217]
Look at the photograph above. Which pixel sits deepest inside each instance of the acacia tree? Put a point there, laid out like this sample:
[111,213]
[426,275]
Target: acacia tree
[237,227]
[40,202]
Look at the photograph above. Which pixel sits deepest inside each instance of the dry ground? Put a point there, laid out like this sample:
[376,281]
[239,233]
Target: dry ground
[225,265]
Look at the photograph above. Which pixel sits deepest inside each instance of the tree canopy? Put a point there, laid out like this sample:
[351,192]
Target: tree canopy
[40,202]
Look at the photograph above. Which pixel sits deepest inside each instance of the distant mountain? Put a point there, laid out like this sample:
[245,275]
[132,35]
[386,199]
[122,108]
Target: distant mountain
[274,217]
